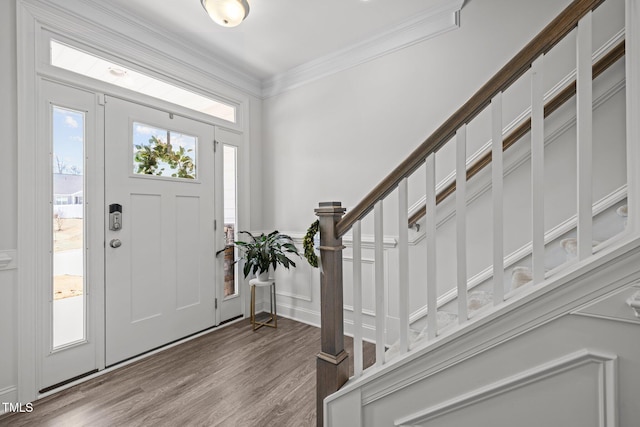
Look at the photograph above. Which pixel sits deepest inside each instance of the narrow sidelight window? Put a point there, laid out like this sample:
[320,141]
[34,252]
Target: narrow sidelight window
[68,284]
[230,218]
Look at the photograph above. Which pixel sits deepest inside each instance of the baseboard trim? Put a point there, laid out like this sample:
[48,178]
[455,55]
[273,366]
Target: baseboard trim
[299,314]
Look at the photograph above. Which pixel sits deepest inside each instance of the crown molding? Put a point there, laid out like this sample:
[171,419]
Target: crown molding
[439,19]
[111,23]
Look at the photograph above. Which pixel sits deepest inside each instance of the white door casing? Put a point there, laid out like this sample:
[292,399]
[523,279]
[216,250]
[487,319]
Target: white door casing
[160,283]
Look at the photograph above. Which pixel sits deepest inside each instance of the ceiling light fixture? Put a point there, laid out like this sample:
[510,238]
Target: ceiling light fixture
[228,13]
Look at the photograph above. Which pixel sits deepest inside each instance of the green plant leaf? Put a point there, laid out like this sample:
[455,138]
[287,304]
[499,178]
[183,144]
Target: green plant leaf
[264,251]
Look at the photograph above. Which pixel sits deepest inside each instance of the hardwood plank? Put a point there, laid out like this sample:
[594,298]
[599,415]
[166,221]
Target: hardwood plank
[232,376]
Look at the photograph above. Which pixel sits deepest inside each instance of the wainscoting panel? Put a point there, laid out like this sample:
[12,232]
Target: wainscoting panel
[578,389]
[296,282]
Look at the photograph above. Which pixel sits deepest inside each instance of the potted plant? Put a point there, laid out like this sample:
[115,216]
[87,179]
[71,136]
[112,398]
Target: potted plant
[263,251]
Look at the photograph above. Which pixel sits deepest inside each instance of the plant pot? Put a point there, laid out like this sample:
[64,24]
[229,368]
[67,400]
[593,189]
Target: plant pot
[263,276]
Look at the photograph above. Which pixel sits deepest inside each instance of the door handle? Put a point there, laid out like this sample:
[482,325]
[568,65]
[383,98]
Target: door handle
[115,243]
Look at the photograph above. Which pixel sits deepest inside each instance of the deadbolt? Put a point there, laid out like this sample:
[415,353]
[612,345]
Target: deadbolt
[115,217]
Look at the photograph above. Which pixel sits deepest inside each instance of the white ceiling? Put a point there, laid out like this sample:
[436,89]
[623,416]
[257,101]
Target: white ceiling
[281,35]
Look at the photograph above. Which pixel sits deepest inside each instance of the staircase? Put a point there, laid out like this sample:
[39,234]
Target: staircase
[513,277]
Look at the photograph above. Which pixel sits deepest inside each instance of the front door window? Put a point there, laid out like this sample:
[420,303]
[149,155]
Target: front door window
[162,152]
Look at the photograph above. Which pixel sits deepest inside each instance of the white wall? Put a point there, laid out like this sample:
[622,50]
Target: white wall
[8,197]
[335,138]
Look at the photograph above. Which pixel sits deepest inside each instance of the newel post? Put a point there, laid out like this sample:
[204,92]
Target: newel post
[332,361]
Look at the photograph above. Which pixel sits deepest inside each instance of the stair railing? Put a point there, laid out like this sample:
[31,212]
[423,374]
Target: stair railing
[602,65]
[332,361]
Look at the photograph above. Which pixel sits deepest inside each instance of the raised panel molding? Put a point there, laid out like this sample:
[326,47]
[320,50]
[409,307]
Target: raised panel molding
[607,379]
[292,295]
[299,314]
[347,281]
[305,293]
[613,269]
[305,286]
[368,242]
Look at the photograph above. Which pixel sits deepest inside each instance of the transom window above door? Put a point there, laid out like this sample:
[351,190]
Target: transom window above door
[75,60]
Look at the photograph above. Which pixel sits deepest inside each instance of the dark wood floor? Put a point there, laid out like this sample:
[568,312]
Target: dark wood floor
[230,377]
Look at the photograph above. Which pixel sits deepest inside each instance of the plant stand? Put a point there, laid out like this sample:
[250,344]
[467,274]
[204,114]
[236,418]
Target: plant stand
[254,283]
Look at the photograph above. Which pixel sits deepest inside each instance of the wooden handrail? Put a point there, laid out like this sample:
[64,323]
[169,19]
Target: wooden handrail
[541,44]
[556,102]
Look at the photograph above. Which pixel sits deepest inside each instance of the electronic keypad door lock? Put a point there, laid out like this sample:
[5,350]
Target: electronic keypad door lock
[115,217]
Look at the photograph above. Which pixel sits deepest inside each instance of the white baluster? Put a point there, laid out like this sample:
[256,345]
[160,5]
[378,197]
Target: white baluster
[584,96]
[403,263]
[357,299]
[497,176]
[461,221]
[379,283]
[537,169]
[430,230]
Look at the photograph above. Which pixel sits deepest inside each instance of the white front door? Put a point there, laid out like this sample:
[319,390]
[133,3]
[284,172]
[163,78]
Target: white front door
[159,228]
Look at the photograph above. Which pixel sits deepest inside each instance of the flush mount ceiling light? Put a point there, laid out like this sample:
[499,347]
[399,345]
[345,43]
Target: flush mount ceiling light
[227,13]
